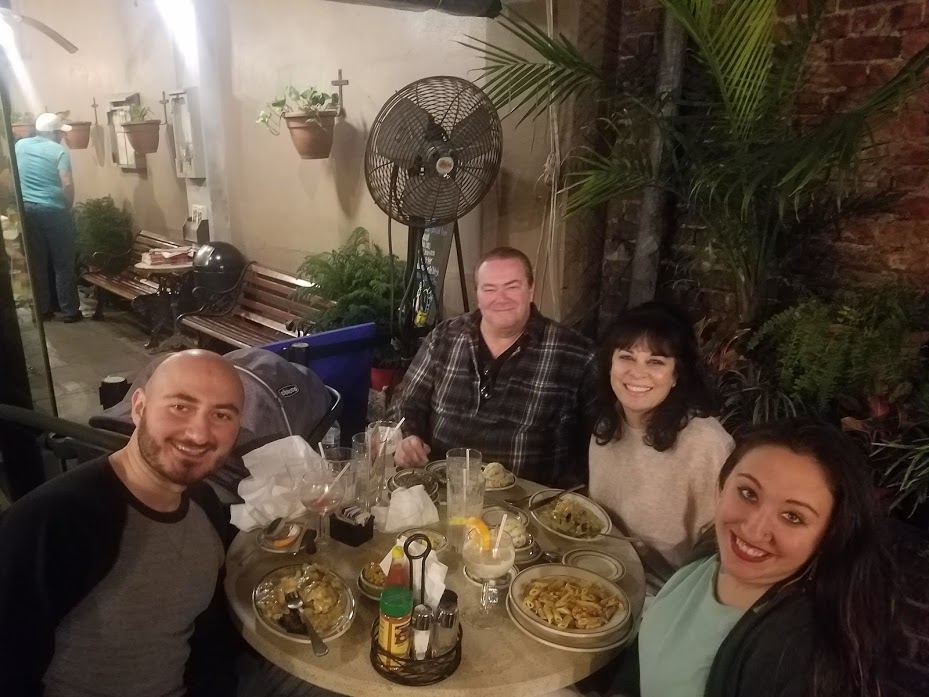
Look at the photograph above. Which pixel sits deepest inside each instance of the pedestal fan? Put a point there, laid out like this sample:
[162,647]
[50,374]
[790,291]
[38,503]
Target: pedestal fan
[433,152]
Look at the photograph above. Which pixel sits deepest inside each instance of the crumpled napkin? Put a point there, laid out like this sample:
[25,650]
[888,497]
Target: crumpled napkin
[435,574]
[410,508]
[273,488]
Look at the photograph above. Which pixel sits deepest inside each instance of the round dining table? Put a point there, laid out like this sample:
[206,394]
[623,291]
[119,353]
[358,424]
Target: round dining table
[498,662]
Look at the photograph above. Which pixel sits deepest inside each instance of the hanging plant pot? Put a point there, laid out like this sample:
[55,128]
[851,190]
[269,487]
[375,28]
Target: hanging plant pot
[79,136]
[385,378]
[143,135]
[23,130]
[313,138]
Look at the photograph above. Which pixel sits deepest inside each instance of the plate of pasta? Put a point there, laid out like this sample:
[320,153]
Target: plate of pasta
[567,601]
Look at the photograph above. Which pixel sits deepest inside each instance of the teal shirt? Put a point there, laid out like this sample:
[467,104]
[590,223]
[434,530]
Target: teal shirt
[682,631]
[39,160]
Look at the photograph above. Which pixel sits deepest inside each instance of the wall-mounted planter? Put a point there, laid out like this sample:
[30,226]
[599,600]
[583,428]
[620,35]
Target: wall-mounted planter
[23,130]
[78,137]
[313,138]
[143,135]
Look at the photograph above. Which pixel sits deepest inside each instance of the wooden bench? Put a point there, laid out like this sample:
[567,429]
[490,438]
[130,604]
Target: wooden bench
[126,283]
[259,311]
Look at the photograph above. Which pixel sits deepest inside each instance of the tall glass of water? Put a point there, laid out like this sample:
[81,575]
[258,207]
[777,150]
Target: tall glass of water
[465,492]
[383,437]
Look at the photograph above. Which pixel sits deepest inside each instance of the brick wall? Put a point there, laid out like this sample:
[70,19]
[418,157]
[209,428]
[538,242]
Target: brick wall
[861,44]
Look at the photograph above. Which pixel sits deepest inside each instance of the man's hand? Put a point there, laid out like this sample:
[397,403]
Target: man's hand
[411,452]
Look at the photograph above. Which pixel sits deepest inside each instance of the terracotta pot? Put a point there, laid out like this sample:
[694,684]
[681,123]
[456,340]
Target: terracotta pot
[23,130]
[79,136]
[313,139]
[143,135]
[385,378]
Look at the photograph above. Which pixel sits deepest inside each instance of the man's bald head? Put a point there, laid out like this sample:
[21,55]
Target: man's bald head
[187,415]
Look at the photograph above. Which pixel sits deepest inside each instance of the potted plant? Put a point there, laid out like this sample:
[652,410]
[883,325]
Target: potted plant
[358,276]
[310,118]
[78,138]
[104,234]
[141,131]
[23,124]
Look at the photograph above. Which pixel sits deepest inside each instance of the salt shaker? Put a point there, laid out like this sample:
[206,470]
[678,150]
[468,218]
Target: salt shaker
[422,628]
[445,631]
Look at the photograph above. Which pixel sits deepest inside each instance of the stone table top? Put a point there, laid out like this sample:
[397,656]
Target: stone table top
[496,662]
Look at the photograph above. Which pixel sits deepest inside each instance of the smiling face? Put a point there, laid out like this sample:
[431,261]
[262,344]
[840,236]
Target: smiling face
[504,295]
[772,513]
[187,417]
[641,380]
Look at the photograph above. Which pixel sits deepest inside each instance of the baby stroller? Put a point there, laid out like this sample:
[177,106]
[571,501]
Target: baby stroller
[281,399]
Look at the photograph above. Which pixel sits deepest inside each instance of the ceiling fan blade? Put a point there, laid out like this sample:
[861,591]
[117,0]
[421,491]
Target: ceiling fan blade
[402,133]
[467,137]
[431,198]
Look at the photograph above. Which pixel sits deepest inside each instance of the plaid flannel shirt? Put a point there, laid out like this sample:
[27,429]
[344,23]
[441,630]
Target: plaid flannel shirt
[539,419]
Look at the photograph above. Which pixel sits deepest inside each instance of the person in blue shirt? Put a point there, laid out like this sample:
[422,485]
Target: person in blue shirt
[48,194]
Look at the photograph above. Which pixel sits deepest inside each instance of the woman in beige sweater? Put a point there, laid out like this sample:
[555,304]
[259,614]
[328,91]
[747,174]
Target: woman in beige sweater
[656,450]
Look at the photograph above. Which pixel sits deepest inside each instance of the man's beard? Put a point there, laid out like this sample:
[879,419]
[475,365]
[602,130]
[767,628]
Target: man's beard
[190,472]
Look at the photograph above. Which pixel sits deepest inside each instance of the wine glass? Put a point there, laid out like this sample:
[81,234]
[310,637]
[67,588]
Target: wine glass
[321,491]
[489,564]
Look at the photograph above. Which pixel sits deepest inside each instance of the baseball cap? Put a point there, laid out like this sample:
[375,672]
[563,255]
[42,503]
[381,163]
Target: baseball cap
[51,122]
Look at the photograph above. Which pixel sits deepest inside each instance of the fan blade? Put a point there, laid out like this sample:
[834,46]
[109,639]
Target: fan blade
[402,133]
[467,134]
[431,198]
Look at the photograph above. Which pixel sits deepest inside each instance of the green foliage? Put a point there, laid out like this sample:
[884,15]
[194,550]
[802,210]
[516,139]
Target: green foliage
[357,276]
[756,178]
[907,473]
[310,102]
[860,347]
[749,397]
[138,113]
[104,233]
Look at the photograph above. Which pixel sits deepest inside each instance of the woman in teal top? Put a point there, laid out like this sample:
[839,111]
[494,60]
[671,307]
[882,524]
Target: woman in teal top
[797,602]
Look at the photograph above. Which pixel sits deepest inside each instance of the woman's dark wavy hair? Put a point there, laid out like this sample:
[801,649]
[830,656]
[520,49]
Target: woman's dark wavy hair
[851,573]
[667,331]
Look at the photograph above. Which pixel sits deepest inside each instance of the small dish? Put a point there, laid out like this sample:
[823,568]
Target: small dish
[285,542]
[601,563]
[492,515]
[438,540]
[511,479]
[407,479]
[368,590]
[438,469]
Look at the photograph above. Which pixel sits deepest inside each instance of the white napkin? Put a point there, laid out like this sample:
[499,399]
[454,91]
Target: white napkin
[410,508]
[435,574]
[273,489]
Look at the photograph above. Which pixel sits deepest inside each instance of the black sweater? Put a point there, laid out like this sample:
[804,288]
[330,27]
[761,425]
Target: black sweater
[767,654]
[56,545]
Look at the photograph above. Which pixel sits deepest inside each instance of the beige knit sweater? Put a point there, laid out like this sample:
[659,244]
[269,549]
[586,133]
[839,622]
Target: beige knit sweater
[664,498]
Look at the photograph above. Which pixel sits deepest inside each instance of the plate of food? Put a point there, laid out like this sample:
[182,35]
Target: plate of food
[327,601]
[568,601]
[285,541]
[436,539]
[572,516]
[515,527]
[413,477]
[574,644]
[371,580]
[497,477]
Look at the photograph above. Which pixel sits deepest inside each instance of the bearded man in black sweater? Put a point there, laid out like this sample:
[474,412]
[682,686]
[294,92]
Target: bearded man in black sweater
[111,574]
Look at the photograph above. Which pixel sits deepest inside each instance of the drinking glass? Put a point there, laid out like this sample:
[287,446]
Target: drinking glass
[489,565]
[464,491]
[321,491]
[364,485]
[383,437]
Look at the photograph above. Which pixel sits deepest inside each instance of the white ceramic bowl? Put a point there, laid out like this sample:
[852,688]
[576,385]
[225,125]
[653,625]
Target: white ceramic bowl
[605,522]
[574,644]
[534,573]
[601,563]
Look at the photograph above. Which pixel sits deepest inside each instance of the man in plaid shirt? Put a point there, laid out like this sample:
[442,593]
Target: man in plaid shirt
[505,380]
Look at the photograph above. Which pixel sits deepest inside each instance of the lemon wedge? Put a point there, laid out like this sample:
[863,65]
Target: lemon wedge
[482,530]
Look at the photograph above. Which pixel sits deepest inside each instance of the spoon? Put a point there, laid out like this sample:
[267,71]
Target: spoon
[295,602]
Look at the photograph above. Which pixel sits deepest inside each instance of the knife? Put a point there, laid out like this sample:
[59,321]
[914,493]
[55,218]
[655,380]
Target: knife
[551,499]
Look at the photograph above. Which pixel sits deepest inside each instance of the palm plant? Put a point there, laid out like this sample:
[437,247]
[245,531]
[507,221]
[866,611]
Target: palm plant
[755,177]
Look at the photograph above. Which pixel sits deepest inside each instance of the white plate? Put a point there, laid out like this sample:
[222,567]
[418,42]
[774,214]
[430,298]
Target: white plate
[608,643]
[289,549]
[500,488]
[492,515]
[436,539]
[605,521]
[438,470]
[599,562]
[534,573]
[342,626]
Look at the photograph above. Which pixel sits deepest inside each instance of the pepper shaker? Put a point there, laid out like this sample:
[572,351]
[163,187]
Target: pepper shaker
[445,632]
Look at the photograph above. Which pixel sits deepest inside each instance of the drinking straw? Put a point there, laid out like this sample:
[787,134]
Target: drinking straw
[499,534]
[321,453]
[334,481]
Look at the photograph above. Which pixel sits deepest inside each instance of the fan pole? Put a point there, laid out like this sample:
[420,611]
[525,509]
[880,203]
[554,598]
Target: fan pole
[461,271]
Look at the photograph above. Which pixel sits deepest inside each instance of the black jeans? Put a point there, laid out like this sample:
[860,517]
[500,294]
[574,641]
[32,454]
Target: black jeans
[49,234]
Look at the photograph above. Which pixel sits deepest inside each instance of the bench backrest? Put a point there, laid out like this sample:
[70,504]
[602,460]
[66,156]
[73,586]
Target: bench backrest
[265,298]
